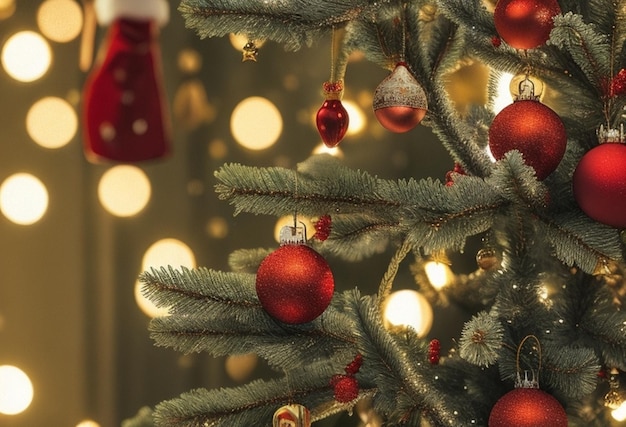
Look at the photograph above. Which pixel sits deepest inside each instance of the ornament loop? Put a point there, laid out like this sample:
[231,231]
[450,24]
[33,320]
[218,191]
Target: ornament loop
[525,382]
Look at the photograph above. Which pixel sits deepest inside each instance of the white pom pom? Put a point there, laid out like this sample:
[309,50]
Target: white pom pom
[144,10]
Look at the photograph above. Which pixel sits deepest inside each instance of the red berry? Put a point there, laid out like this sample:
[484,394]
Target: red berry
[323,227]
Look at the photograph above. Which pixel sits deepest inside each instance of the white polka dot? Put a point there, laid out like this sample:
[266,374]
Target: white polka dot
[140,126]
[107,131]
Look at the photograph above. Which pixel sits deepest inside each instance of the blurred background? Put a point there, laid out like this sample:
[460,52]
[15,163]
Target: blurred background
[74,345]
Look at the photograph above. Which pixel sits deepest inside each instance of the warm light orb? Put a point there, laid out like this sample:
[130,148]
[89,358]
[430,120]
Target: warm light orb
[408,308]
[60,20]
[88,423]
[51,122]
[166,252]
[238,41]
[358,121]
[438,273]
[256,123]
[23,198]
[162,253]
[239,367]
[26,56]
[7,8]
[16,390]
[322,148]
[124,190]
[619,414]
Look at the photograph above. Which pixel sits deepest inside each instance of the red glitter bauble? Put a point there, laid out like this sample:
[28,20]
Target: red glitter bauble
[525,24]
[534,130]
[345,388]
[332,122]
[399,101]
[599,184]
[294,284]
[527,407]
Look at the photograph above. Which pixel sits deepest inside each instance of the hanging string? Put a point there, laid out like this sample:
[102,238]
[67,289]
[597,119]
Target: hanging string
[535,381]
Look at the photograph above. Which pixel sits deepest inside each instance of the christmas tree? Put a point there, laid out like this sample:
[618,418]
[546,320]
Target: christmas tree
[546,343]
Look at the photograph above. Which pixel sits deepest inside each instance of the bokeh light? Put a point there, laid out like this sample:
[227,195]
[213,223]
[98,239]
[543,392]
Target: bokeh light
[16,390]
[51,122]
[88,423]
[60,20]
[438,273]
[322,148]
[619,414]
[256,123]
[7,8]
[26,56]
[409,308]
[358,121]
[162,253]
[124,190]
[23,198]
[239,367]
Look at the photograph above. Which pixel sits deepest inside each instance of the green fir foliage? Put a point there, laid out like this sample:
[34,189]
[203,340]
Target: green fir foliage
[559,276]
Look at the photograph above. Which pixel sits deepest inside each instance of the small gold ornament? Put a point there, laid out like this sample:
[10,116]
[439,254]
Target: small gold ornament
[614,398]
[250,51]
[487,258]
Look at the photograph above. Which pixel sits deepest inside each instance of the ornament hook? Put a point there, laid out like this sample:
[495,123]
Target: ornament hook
[526,382]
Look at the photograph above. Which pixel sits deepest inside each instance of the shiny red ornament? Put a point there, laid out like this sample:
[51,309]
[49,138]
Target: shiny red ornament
[400,102]
[527,407]
[525,24]
[332,118]
[599,184]
[345,388]
[534,130]
[332,122]
[294,284]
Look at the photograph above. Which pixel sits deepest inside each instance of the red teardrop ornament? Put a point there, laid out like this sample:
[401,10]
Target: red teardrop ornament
[332,122]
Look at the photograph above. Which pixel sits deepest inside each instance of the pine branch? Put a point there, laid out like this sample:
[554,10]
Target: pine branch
[588,49]
[291,24]
[255,403]
[219,313]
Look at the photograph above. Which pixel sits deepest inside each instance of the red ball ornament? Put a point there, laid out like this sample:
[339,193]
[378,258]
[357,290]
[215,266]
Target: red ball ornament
[294,284]
[399,101]
[525,24]
[534,130]
[599,184]
[332,118]
[345,388]
[527,407]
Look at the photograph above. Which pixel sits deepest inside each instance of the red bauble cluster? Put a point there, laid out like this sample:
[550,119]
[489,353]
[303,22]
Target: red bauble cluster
[294,284]
[525,24]
[323,227]
[534,130]
[434,351]
[527,407]
[400,101]
[346,387]
[599,184]
[618,84]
